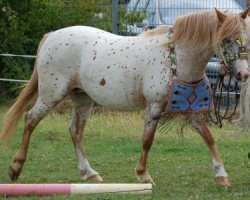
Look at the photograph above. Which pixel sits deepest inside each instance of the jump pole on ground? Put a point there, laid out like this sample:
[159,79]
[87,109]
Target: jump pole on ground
[71,189]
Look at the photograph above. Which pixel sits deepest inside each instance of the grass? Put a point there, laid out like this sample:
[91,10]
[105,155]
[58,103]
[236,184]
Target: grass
[180,166]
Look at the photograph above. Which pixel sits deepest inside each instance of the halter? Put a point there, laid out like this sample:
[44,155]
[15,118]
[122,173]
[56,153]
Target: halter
[229,57]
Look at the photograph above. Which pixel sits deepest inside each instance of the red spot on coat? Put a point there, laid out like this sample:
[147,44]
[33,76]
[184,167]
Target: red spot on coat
[102,82]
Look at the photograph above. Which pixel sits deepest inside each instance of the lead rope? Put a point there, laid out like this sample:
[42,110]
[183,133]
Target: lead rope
[227,57]
[218,100]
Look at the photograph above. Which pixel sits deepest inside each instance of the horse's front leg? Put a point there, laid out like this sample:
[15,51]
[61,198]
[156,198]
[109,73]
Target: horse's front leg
[152,116]
[83,105]
[199,123]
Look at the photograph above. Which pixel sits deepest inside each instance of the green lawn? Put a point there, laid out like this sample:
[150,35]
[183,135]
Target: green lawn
[180,166]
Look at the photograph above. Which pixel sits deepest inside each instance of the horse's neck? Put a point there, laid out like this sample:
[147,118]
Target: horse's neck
[191,64]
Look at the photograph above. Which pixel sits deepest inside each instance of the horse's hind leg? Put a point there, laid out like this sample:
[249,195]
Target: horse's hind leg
[32,118]
[43,105]
[199,123]
[83,104]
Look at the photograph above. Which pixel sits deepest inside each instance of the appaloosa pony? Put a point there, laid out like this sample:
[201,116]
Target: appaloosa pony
[125,73]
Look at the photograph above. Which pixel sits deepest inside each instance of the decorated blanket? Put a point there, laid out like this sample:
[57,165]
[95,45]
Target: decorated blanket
[186,97]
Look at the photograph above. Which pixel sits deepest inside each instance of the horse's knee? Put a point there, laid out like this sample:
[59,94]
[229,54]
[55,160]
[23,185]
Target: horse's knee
[198,121]
[77,138]
[206,135]
[209,139]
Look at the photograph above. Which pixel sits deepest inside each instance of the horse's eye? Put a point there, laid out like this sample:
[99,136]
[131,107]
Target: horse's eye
[228,41]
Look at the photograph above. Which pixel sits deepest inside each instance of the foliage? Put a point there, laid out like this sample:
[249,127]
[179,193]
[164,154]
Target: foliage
[129,19]
[181,167]
[23,23]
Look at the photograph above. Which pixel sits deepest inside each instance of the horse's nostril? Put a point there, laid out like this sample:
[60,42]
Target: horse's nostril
[246,76]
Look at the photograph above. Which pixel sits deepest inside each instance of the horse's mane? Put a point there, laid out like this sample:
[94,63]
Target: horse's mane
[203,30]
[157,31]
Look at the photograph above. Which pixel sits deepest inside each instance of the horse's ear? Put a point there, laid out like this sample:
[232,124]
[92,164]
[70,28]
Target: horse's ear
[221,16]
[244,13]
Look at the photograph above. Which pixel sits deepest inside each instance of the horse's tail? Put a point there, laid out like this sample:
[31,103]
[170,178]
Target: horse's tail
[15,112]
[24,101]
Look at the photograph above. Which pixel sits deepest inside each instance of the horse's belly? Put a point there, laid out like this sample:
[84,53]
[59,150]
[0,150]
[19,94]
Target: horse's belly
[126,101]
[122,95]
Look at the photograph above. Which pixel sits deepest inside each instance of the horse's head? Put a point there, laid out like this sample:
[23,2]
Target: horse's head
[233,49]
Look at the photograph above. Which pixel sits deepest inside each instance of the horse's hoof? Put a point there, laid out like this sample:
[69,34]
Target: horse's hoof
[13,173]
[223,181]
[95,178]
[249,155]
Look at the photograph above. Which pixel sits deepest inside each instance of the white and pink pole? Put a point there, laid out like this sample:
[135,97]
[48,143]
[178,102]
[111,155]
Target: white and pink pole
[71,189]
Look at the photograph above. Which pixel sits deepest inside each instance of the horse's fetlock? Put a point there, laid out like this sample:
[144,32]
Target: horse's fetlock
[14,172]
[19,160]
[140,170]
[83,172]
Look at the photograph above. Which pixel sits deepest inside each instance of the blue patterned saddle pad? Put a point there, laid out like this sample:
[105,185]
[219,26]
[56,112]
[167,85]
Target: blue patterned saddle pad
[185,97]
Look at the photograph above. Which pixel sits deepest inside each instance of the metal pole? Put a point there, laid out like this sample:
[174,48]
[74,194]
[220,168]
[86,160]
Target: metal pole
[115,16]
